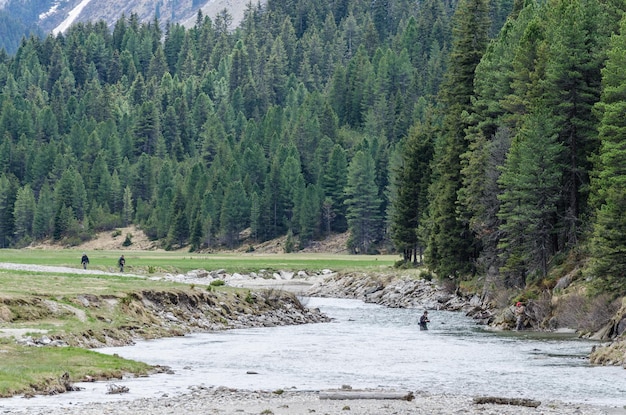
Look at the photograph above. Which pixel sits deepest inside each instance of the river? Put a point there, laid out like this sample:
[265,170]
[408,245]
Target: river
[368,346]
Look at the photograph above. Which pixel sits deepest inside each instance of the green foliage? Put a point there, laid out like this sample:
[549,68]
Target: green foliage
[450,250]
[128,241]
[363,204]
[529,218]
[289,243]
[217,283]
[106,127]
[426,275]
[249,298]
[607,266]
[410,192]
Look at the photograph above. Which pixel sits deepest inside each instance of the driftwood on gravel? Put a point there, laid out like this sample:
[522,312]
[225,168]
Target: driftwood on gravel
[112,388]
[507,401]
[65,385]
[340,395]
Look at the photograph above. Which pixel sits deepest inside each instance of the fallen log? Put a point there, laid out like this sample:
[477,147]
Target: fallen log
[507,401]
[112,388]
[341,395]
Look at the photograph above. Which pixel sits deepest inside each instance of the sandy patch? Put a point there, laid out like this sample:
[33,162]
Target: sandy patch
[19,333]
[110,241]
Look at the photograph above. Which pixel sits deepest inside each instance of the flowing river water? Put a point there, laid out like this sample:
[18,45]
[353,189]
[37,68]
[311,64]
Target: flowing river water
[368,346]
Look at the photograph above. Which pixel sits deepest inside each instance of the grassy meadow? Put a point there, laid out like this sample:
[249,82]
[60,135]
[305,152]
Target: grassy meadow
[179,261]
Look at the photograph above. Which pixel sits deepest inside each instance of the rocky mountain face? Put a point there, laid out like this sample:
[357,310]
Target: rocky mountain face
[54,16]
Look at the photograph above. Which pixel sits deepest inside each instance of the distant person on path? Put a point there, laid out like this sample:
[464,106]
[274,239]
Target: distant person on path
[424,321]
[84,260]
[121,262]
[520,310]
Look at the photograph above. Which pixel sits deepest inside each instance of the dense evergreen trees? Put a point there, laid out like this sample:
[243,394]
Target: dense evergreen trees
[489,144]
[608,242]
[284,124]
[450,243]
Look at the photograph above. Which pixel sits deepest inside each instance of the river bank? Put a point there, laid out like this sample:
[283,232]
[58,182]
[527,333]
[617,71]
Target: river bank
[224,401]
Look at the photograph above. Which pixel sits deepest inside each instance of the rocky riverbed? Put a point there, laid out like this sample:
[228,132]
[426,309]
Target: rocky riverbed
[224,401]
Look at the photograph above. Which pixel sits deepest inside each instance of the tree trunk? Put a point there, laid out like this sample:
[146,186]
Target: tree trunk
[340,395]
[507,401]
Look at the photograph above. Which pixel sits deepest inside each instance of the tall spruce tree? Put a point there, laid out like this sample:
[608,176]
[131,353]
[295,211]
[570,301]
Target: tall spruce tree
[8,193]
[363,204]
[410,202]
[451,251]
[531,181]
[334,183]
[576,34]
[24,213]
[608,243]
[489,138]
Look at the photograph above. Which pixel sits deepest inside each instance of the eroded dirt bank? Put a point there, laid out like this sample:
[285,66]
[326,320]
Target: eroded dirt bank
[147,314]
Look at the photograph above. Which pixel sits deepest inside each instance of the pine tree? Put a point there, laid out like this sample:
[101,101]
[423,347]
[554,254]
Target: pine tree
[530,181]
[8,194]
[451,250]
[363,204]
[179,221]
[334,182]
[608,243]
[310,213]
[255,215]
[44,214]
[576,34]
[410,203]
[489,138]
[128,209]
[234,213]
[24,213]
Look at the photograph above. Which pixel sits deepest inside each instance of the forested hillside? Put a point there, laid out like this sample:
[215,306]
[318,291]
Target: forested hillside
[12,31]
[485,134]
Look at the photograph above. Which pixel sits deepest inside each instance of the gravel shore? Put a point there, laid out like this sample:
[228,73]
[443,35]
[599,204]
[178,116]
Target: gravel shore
[224,401]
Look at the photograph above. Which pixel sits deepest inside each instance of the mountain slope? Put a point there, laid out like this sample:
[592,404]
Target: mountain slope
[54,16]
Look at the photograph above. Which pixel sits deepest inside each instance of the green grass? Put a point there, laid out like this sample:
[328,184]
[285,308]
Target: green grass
[24,369]
[46,284]
[162,261]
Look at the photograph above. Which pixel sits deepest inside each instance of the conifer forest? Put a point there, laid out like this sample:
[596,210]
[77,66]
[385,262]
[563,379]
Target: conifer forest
[478,137]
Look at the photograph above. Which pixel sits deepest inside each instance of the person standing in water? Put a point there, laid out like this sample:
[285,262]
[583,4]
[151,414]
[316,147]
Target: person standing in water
[424,321]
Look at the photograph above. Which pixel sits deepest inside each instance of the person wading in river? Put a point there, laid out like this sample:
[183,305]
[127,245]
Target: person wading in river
[424,321]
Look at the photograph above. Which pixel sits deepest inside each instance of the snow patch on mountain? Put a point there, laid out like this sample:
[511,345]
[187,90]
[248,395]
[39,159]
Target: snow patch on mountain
[72,15]
[50,12]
